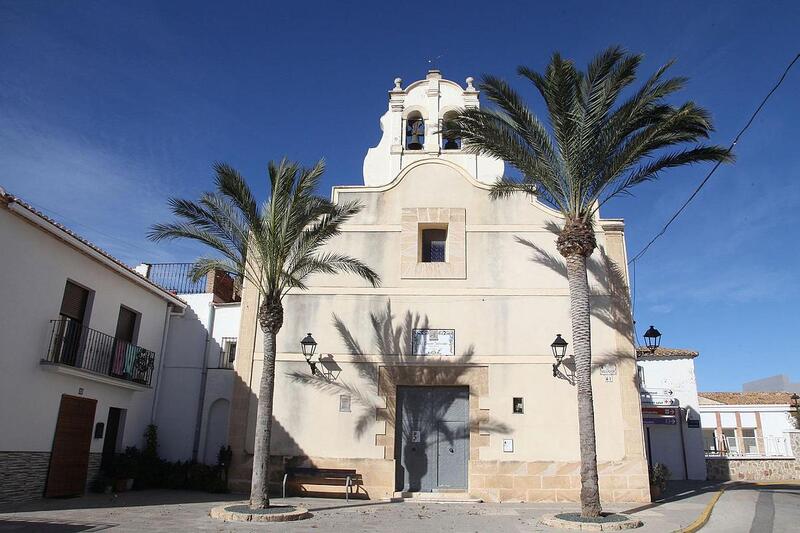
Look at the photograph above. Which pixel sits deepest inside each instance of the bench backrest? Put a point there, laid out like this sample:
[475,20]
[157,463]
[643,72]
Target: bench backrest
[321,472]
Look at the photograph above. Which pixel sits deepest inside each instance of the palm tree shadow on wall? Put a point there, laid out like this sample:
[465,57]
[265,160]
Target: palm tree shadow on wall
[613,310]
[393,348]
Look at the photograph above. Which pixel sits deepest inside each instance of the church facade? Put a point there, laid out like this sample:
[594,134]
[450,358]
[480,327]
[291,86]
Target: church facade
[442,379]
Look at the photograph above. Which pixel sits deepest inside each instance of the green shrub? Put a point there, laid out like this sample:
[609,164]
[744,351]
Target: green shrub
[659,475]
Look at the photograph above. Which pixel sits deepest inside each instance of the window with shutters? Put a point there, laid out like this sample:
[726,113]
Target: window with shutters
[434,245]
[74,302]
[126,325]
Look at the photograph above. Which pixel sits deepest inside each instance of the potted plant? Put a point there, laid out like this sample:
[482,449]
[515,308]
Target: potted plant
[125,469]
[659,475]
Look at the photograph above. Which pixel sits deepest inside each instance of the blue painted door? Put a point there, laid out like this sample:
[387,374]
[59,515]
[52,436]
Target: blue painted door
[432,447]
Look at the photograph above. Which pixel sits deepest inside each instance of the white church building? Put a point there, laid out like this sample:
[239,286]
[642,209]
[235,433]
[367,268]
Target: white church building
[441,379]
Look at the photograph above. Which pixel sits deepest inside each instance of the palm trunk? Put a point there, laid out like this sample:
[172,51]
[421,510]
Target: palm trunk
[259,488]
[582,343]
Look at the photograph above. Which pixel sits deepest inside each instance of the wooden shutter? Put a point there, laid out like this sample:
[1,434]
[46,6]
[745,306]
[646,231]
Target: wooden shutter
[73,305]
[126,324]
[69,460]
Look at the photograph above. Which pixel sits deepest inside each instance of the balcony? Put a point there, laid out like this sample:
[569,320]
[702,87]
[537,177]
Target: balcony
[78,350]
[175,278]
[750,447]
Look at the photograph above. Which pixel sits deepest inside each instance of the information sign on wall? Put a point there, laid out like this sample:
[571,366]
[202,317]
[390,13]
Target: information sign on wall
[433,342]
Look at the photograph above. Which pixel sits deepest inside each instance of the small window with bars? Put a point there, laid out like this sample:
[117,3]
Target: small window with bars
[434,245]
[227,352]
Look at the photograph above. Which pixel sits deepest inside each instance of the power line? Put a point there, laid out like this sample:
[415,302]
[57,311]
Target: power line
[716,165]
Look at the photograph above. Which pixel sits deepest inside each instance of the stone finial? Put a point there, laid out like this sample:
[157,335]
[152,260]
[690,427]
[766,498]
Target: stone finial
[397,82]
[470,79]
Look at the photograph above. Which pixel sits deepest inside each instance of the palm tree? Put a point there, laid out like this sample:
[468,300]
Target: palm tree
[275,247]
[593,150]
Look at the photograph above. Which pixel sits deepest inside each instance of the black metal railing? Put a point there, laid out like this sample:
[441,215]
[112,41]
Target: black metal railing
[73,344]
[175,277]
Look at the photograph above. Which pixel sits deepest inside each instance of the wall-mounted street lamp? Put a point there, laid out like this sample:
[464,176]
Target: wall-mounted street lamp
[309,346]
[559,347]
[652,338]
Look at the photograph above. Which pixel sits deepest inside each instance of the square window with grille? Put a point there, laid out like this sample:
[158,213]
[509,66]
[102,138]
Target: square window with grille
[227,354]
[519,406]
[344,403]
[434,245]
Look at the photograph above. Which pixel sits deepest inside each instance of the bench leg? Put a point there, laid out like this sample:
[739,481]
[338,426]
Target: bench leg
[284,485]
[348,487]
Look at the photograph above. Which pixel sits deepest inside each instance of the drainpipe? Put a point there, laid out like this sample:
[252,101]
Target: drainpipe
[681,420]
[204,378]
[162,355]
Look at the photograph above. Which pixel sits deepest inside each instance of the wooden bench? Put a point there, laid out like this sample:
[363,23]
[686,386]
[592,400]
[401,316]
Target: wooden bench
[323,476]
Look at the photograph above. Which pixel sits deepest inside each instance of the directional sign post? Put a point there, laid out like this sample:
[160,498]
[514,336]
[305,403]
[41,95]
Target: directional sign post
[665,421]
[660,411]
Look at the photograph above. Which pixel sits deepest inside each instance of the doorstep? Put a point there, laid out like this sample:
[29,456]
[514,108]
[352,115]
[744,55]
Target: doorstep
[435,497]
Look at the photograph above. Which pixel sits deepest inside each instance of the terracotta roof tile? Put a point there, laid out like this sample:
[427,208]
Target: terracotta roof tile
[644,352]
[747,398]
[8,198]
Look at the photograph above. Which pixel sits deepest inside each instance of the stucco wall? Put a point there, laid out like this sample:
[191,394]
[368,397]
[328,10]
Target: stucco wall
[183,381]
[676,374]
[505,313]
[32,281]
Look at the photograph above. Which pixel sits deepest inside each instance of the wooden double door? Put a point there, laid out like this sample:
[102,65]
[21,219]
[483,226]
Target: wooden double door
[69,459]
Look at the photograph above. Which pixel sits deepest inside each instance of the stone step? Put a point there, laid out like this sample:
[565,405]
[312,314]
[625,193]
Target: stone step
[436,497]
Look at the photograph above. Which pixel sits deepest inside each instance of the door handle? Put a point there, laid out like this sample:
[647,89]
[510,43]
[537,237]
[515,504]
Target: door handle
[451,450]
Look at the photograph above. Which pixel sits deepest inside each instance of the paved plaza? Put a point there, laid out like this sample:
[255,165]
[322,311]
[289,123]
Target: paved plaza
[744,508]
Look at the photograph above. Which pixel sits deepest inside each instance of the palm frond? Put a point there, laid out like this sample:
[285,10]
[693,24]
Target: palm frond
[275,245]
[596,147]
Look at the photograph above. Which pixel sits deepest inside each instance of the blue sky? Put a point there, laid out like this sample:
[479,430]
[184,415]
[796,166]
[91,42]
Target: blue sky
[107,108]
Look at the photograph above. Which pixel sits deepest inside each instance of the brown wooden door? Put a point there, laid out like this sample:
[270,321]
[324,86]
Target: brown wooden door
[69,460]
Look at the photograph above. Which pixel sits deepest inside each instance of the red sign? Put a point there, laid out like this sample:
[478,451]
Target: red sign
[660,411]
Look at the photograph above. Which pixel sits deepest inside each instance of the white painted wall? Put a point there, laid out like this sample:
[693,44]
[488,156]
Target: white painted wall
[675,374]
[432,97]
[776,422]
[182,383]
[32,282]
[219,385]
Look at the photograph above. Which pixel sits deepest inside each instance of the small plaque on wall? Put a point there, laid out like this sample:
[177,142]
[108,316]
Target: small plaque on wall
[433,342]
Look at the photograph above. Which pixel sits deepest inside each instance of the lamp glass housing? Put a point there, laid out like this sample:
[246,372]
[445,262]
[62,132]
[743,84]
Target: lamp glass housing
[559,347]
[309,345]
[652,338]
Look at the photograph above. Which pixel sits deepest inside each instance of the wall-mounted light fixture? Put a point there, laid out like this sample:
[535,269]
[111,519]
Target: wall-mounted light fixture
[559,347]
[652,338]
[309,346]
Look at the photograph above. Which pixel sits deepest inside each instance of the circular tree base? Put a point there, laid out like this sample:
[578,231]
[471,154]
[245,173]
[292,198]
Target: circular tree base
[241,512]
[605,522]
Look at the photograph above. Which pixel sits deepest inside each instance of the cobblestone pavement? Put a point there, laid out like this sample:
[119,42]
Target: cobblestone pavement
[173,511]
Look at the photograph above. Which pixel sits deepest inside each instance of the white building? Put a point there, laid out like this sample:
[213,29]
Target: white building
[667,384]
[83,340]
[197,377]
[750,435]
[441,379]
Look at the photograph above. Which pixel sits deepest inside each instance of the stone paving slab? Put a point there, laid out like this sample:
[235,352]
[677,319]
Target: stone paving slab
[174,511]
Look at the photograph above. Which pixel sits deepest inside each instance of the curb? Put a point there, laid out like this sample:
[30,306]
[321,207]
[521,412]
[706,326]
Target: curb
[552,520]
[223,513]
[702,520]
